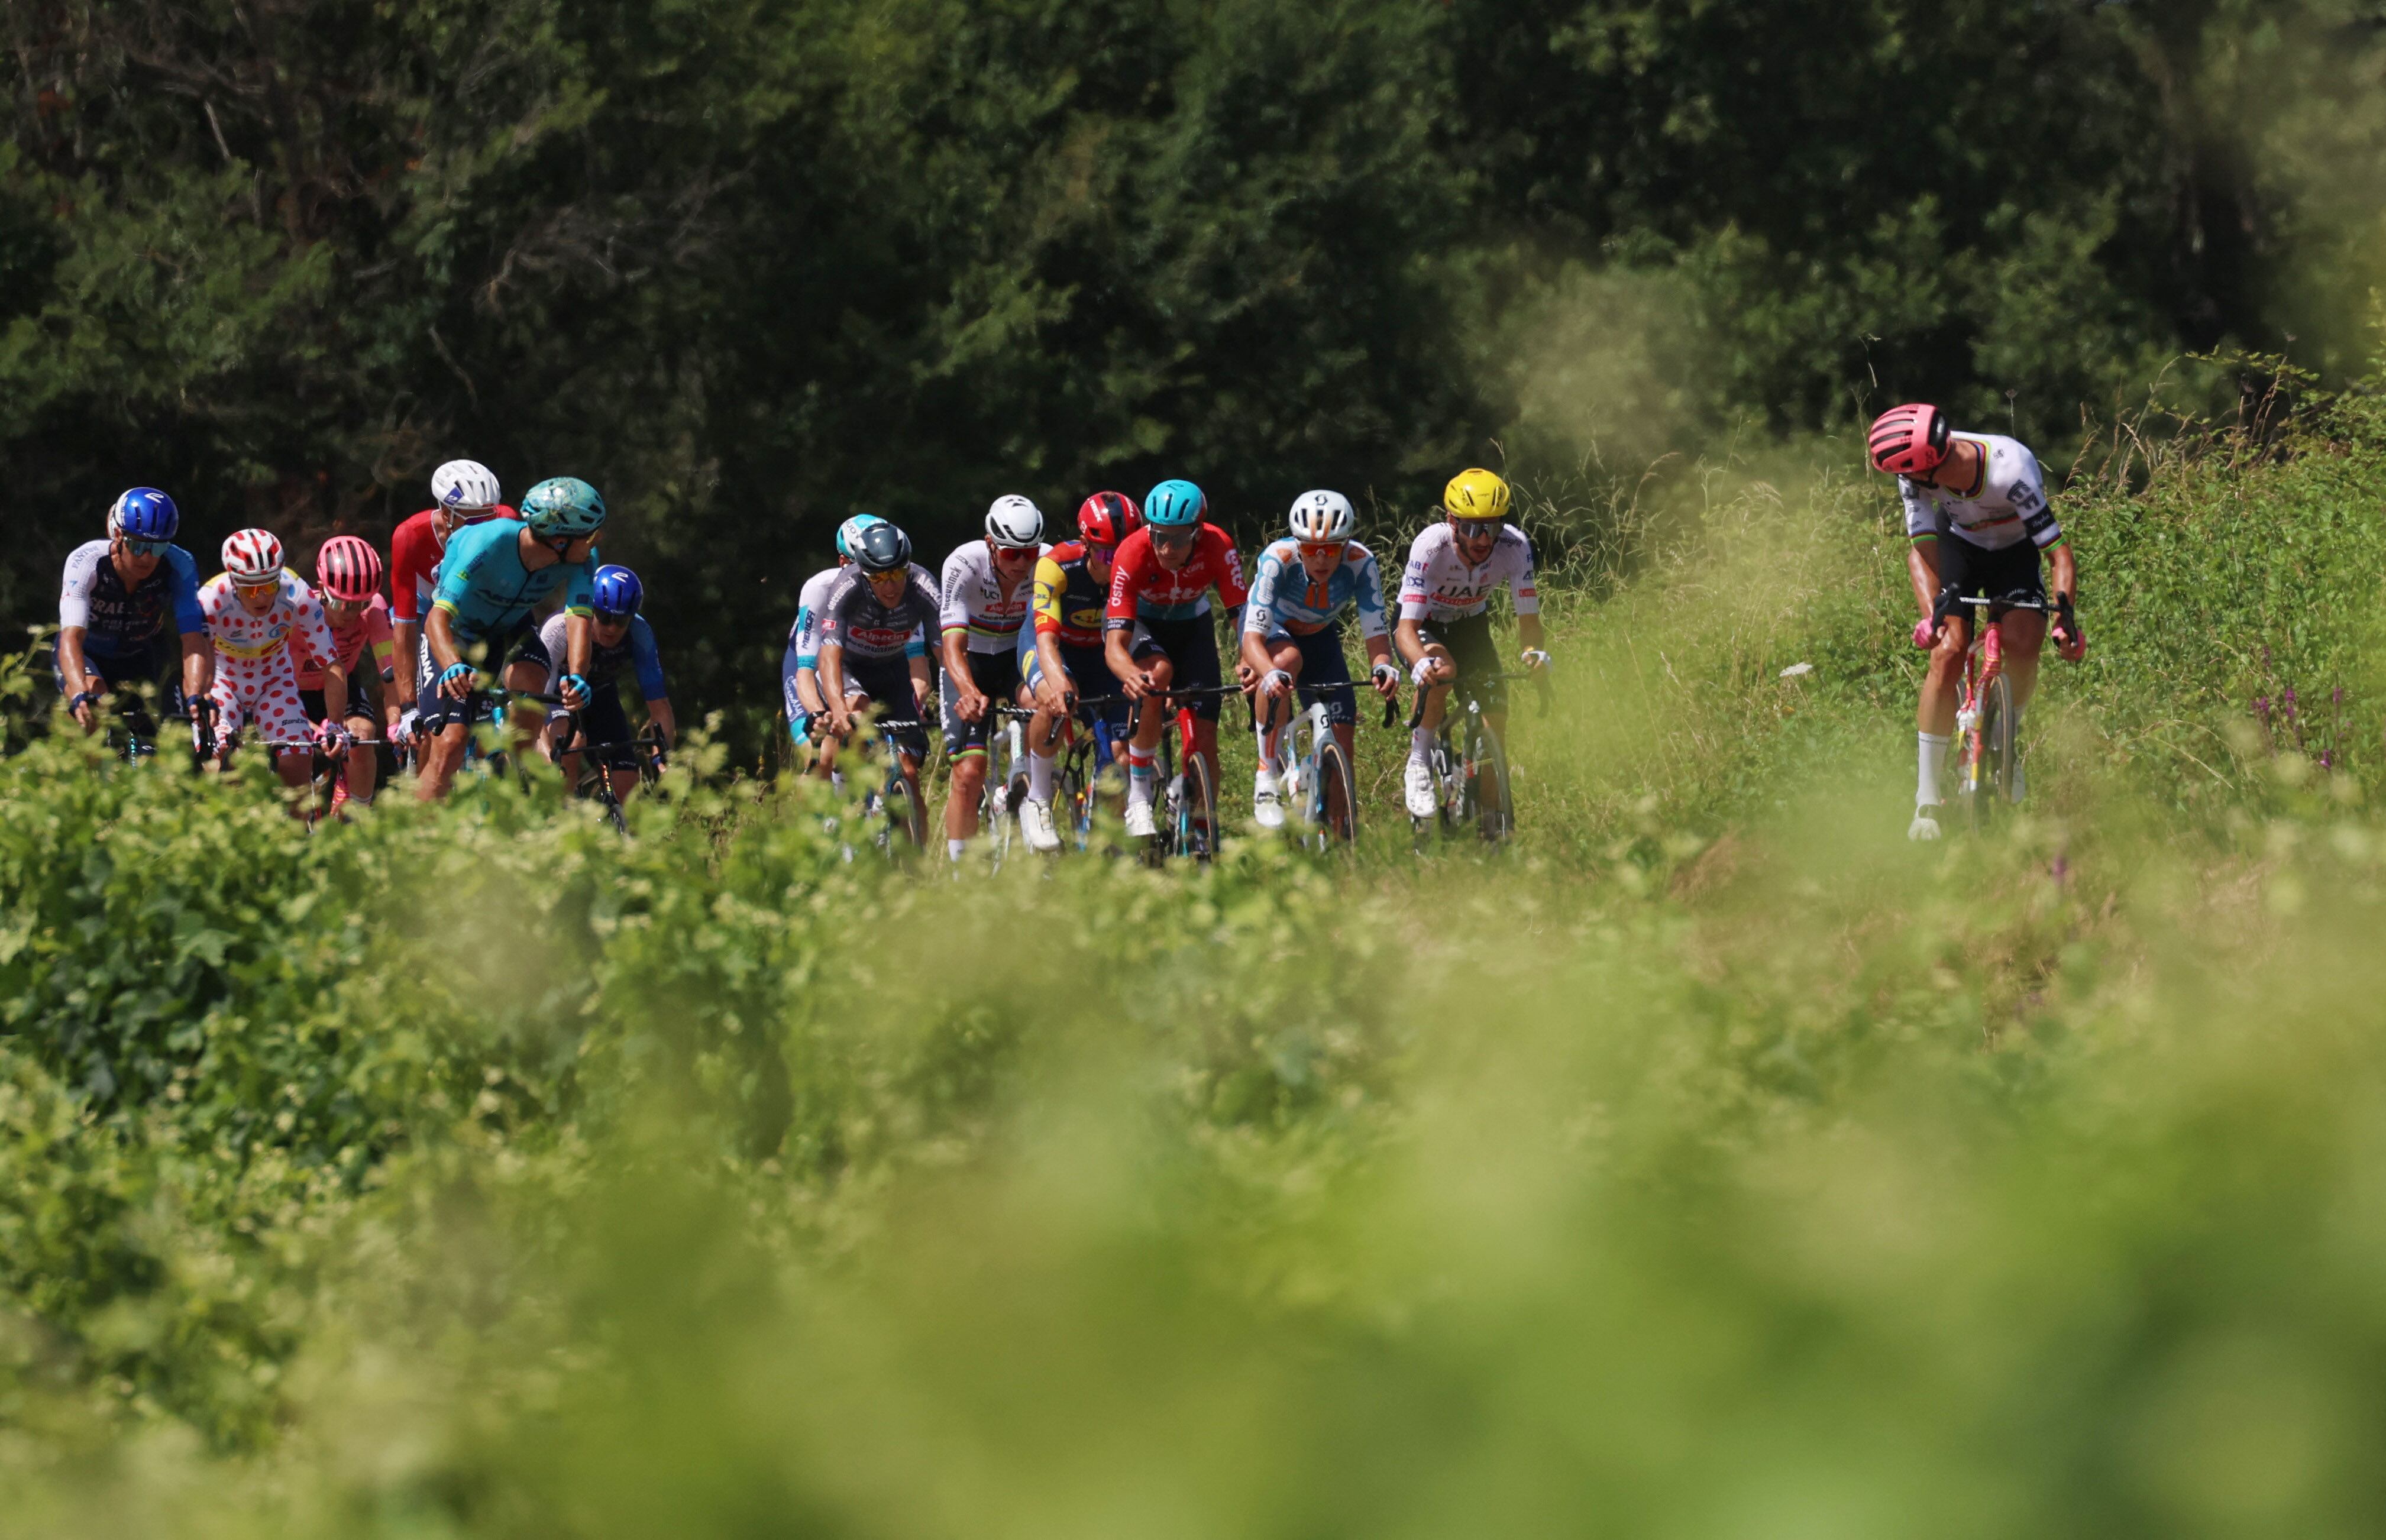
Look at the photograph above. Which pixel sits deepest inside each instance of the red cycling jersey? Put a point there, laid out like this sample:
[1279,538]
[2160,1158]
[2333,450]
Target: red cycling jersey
[414,553]
[1140,587]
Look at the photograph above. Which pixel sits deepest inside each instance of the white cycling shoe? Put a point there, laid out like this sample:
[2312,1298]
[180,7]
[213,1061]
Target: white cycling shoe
[1924,826]
[1267,809]
[1140,824]
[1416,786]
[1036,822]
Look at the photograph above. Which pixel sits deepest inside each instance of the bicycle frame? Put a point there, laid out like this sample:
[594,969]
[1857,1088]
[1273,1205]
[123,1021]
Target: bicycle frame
[1984,756]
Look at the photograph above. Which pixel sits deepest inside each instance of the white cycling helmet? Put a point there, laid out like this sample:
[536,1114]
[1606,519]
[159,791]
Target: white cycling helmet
[252,558]
[467,486]
[1015,524]
[1321,516]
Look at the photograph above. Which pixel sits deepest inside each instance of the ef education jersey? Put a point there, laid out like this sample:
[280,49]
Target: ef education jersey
[2006,505]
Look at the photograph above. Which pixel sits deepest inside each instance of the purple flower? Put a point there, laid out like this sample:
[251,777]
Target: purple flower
[2262,708]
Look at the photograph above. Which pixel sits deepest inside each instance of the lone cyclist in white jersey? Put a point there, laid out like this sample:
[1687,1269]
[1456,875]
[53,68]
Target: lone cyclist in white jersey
[1977,515]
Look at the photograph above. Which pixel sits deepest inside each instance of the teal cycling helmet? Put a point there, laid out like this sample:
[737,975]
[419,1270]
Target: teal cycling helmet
[850,531]
[562,505]
[1174,506]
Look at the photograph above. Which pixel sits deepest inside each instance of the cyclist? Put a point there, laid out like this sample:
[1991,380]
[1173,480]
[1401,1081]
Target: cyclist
[799,667]
[348,583]
[619,635]
[463,492]
[873,640]
[987,588]
[1300,589]
[493,577]
[1159,591]
[112,604]
[1977,516]
[1445,625]
[1061,653]
[260,614]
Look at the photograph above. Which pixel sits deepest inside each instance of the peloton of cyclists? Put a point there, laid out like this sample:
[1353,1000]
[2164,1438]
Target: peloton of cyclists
[115,601]
[1978,518]
[1445,627]
[987,594]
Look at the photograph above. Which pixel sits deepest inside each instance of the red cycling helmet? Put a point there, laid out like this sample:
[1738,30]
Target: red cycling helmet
[349,569]
[1909,441]
[1107,517]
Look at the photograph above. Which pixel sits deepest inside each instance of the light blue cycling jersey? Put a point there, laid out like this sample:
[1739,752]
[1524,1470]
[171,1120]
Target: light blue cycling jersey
[486,591]
[1284,596]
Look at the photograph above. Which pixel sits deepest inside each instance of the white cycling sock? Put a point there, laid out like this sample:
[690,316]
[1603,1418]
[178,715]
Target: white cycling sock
[1039,777]
[1263,781]
[837,780]
[1934,759]
[1420,743]
[956,848]
[1142,775]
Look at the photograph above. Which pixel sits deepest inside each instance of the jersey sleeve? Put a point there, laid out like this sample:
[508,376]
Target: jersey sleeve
[1526,597]
[648,658]
[803,640]
[2028,498]
[1921,513]
[464,557]
[313,629]
[1260,612]
[580,588]
[1416,578]
[916,645]
[76,583]
[1126,582]
[1231,590]
[953,604]
[828,626]
[551,634]
[380,641]
[1051,584]
[1367,596]
[412,553]
[189,619]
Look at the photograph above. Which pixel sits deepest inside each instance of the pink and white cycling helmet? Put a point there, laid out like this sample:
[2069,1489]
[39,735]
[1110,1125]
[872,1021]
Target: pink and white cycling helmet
[1909,441]
[252,558]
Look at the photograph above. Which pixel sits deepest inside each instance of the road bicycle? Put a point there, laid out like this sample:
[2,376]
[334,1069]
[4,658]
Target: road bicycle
[1984,759]
[1314,775]
[1006,781]
[131,731]
[1085,755]
[646,752]
[1472,785]
[895,804]
[1185,821]
[327,773]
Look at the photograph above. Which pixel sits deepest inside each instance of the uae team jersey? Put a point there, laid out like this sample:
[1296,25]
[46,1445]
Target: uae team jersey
[2007,506]
[414,556]
[1286,599]
[1142,589]
[975,602]
[486,591]
[118,620]
[1438,584]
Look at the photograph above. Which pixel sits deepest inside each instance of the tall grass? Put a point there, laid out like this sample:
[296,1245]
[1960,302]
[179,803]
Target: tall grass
[1715,1163]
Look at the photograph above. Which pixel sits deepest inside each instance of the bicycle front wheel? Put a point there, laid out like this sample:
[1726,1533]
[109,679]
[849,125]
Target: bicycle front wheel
[1989,774]
[1197,812]
[1335,799]
[1494,798]
[906,824]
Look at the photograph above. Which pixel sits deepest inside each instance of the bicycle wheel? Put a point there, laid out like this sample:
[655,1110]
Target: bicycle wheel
[1988,773]
[1495,806]
[1334,800]
[907,827]
[1197,813]
[1072,799]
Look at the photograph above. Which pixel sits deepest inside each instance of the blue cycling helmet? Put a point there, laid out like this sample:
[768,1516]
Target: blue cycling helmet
[1174,506]
[850,531]
[616,592]
[563,505]
[145,513]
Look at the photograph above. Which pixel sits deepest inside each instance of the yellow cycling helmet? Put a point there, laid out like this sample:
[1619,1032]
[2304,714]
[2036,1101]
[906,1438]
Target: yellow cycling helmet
[1475,495]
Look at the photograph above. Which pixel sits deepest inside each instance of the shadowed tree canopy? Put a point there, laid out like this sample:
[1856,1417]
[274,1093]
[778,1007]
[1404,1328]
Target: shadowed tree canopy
[752,267]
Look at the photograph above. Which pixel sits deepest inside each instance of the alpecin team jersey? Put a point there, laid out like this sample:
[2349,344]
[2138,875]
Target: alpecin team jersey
[974,600]
[2007,505]
[414,553]
[803,637]
[1438,584]
[1285,598]
[852,618]
[1069,599]
[1142,589]
[117,621]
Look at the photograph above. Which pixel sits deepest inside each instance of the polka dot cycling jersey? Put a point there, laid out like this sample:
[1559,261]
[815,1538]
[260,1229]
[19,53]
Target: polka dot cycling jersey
[2007,503]
[975,600]
[295,615]
[1286,599]
[1440,585]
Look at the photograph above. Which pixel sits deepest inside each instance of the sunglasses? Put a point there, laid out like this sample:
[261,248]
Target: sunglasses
[1011,553]
[1321,550]
[1173,537]
[143,547]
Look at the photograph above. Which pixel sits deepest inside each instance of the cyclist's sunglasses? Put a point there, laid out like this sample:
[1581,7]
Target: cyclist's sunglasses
[1477,529]
[1172,537]
[143,547]
[1321,549]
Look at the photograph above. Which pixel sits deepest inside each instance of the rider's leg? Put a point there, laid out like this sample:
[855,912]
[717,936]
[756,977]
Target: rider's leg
[364,764]
[625,781]
[2023,643]
[1285,654]
[526,677]
[442,757]
[960,803]
[1942,691]
[1150,721]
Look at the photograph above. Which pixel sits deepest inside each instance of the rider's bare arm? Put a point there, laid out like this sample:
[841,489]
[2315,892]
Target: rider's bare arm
[1122,661]
[831,668]
[1922,567]
[439,634]
[660,713]
[1528,633]
[923,683]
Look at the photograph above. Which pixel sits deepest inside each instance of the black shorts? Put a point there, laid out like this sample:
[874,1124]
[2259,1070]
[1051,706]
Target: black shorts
[516,644]
[1472,647]
[1968,571]
[997,678]
[1323,667]
[605,723]
[360,710]
[886,682]
[1191,647]
[157,663]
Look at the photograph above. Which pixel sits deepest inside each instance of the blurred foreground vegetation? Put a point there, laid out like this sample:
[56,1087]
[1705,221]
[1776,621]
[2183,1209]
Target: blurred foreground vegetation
[1717,1164]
